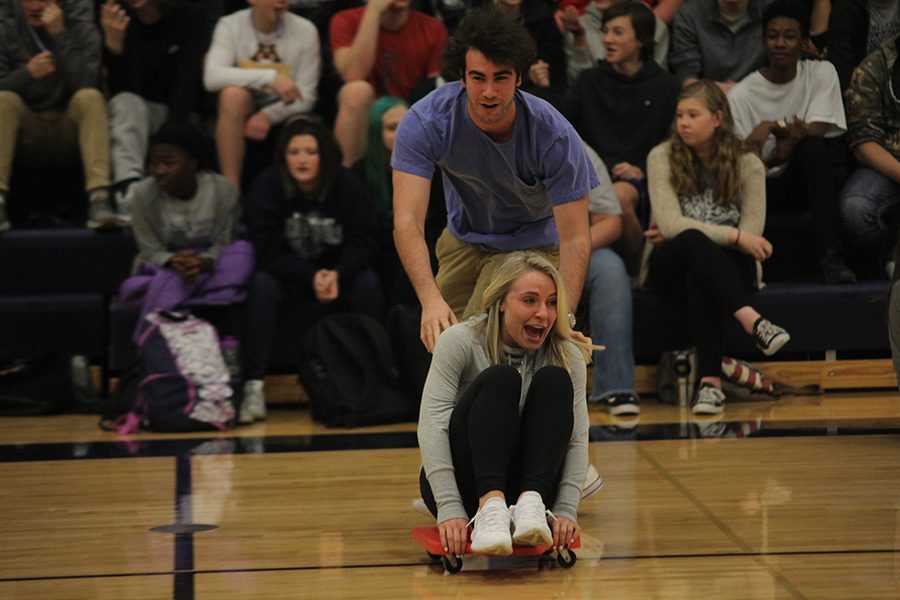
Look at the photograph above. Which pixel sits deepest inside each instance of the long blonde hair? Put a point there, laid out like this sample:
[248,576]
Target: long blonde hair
[516,265]
[685,166]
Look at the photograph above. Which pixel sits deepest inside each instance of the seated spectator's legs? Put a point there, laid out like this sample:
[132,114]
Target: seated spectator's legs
[706,282]
[808,183]
[12,112]
[235,107]
[354,102]
[365,295]
[866,200]
[132,120]
[87,109]
[631,242]
[609,291]
[264,302]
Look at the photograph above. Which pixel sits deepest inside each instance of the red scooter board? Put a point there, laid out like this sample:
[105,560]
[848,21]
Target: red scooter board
[430,539]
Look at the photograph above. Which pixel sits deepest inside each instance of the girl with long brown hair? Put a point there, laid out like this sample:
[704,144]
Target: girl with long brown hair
[708,200]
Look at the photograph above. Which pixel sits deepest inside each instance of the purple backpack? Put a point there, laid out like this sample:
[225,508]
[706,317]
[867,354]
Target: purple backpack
[184,381]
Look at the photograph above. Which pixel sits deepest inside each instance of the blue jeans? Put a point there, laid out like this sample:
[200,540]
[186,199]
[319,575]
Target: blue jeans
[609,291]
[268,293]
[865,200]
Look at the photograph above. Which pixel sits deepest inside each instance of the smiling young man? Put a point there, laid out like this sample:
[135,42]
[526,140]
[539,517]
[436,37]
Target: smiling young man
[785,111]
[515,174]
[264,64]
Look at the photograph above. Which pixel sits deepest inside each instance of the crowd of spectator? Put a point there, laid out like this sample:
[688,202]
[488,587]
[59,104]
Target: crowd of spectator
[813,87]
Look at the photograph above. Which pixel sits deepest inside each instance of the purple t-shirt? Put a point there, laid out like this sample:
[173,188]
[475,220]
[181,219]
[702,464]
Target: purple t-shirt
[499,196]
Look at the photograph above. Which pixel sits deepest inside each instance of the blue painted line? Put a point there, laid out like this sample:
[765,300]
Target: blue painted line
[378,441]
[212,446]
[183,580]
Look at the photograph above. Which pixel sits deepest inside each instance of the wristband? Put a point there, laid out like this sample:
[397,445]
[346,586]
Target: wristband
[738,238]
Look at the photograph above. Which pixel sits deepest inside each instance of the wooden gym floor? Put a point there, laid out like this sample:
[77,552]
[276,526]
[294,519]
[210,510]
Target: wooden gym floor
[794,498]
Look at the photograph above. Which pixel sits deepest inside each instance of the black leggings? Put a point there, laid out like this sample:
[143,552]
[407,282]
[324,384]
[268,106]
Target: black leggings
[495,448]
[707,281]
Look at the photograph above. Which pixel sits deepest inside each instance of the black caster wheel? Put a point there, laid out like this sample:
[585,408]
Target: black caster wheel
[566,558]
[452,564]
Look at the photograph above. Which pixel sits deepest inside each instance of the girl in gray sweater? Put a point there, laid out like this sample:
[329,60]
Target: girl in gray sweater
[504,416]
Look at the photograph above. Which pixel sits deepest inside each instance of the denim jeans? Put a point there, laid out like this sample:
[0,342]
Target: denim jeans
[609,291]
[865,200]
[268,293]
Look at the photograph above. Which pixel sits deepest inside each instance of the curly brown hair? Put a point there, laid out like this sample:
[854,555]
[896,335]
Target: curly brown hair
[495,33]
[685,166]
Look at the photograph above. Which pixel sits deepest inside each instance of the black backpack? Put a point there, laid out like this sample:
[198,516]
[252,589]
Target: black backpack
[347,367]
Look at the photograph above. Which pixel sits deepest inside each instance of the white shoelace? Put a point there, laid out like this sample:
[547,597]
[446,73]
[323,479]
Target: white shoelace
[767,331]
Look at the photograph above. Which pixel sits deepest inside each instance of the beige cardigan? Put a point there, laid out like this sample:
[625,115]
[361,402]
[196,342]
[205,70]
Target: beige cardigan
[666,208]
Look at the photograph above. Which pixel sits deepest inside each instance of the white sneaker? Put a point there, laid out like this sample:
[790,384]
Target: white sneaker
[420,507]
[592,482]
[491,533]
[530,521]
[253,407]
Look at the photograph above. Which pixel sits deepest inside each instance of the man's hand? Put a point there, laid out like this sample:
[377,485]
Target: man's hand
[569,20]
[257,126]
[286,89]
[436,317]
[52,19]
[114,21]
[797,129]
[188,265]
[539,74]
[624,170]
[379,6]
[325,285]
[41,65]
[454,535]
[760,134]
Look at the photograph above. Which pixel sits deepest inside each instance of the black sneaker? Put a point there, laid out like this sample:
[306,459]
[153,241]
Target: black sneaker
[623,404]
[769,337]
[709,400]
[835,270]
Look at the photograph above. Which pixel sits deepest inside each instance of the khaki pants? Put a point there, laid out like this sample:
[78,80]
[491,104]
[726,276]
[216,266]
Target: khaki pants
[464,272]
[56,136]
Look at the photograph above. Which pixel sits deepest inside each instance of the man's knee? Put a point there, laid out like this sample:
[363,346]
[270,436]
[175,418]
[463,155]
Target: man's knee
[356,96]
[628,196]
[127,105]
[235,102]
[11,106]
[87,99]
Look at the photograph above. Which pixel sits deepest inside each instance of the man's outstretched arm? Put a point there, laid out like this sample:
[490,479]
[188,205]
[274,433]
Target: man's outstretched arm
[411,194]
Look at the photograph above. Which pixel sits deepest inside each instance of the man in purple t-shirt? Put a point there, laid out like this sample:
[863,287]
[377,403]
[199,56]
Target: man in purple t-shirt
[515,175]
